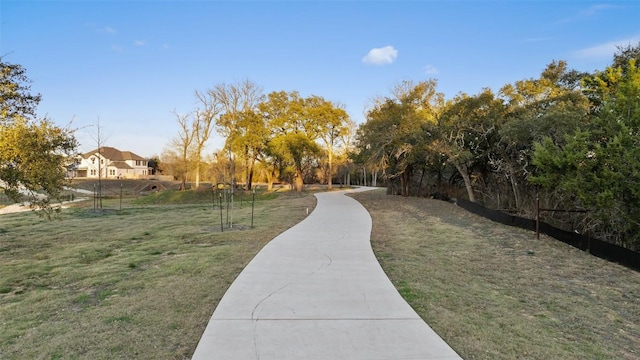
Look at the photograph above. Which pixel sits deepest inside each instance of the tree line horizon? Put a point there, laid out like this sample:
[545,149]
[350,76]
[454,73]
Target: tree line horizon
[566,137]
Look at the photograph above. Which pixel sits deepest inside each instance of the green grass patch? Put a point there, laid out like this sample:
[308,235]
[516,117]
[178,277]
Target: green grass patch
[406,291]
[206,196]
[83,298]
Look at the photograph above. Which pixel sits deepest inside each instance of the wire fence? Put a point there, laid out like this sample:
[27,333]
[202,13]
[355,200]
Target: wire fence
[595,247]
[222,199]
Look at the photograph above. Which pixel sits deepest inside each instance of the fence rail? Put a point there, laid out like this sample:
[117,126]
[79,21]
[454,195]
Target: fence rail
[595,247]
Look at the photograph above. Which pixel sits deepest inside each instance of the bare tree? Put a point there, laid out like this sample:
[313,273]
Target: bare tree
[100,140]
[183,144]
[203,125]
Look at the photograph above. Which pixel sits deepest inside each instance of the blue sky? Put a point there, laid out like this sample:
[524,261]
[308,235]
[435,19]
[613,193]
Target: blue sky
[131,63]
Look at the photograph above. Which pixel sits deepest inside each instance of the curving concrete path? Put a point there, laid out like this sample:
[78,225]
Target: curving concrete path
[317,292]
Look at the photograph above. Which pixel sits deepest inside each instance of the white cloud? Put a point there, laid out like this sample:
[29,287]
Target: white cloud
[381,56]
[139,43]
[117,48]
[607,49]
[589,12]
[595,9]
[109,30]
[165,46]
[430,70]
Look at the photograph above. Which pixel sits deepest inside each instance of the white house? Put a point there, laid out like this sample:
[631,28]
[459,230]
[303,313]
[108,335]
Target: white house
[112,164]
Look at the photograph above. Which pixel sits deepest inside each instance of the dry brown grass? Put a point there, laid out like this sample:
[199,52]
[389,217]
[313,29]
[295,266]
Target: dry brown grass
[494,292]
[140,283]
[143,282]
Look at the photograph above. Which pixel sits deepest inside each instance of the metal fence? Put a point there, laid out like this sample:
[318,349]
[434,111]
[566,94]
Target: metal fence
[596,247]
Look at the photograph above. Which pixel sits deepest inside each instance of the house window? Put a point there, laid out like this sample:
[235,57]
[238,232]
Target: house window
[93,172]
[101,161]
[93,160]
[112,172]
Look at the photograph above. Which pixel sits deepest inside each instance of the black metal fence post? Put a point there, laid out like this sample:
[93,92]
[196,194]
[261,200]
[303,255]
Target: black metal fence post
[539,209]
[227,200]
[220,202]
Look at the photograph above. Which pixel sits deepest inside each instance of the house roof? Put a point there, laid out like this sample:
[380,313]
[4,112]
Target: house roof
[120,165]
[113,154]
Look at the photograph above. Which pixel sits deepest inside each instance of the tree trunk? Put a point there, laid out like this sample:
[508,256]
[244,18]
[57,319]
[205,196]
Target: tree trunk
[403,185]
[183,185]
[330,169]
[467,181]
[420,184]
[197,174]
[250,167]
[514,186]
[232,170]
[250,180]
[270,176]
[298,181]
[100,179]
[364,176]
[405,180]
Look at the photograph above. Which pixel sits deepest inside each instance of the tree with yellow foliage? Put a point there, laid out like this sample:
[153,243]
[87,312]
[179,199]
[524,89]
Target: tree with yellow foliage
[34,153]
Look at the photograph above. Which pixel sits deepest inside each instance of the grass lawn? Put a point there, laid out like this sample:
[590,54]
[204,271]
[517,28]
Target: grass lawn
[142,282]
[494,292]
[138,283]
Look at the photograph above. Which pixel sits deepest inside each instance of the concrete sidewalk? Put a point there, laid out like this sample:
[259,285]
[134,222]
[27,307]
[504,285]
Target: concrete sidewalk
[318,292]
